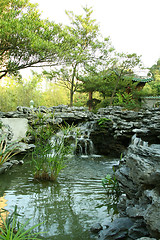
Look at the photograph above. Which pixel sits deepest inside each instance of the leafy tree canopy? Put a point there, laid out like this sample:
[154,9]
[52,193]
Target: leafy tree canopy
[153,87]
[25,39]
[86,49]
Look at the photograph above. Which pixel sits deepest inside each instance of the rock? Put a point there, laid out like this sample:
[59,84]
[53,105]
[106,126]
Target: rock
[23,147]
[5,166]
[143,170]
[2,169]
[152,213]
[118,229]
[96,228]
[115,137]
[18,126]
[14,162]
[146,238]
[21,162]
[139,229]
[139,179]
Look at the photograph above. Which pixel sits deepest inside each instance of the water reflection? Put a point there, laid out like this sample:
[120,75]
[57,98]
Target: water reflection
[70,206]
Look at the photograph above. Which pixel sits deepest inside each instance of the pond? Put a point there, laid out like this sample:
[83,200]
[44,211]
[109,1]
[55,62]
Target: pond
[68,207]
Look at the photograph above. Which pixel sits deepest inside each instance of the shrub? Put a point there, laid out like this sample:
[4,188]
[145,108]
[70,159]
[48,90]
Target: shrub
[50,155]
[103,122]
[7,149]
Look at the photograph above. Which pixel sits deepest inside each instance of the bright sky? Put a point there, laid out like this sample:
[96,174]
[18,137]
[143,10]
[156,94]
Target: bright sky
[133,25]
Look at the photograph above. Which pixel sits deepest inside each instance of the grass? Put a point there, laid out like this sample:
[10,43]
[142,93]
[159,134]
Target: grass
[12,229]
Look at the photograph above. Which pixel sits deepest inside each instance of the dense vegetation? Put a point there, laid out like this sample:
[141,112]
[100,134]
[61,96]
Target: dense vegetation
[81,62]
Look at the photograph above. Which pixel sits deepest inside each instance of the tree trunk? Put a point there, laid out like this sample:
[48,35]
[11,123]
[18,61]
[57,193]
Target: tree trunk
[3,75]
[71,97]
[90,100]
[72,86]
[114,91]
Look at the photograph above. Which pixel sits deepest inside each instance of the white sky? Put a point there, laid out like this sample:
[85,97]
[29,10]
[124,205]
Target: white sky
[133,25]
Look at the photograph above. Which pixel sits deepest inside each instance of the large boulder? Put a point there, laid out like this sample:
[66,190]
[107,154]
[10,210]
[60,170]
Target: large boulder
[139,178]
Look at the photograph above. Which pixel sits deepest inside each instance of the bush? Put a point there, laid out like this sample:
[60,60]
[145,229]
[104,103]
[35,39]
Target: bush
[7,149]
[50,155]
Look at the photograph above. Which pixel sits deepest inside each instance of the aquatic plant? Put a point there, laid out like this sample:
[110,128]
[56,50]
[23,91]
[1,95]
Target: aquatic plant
[1,124]
[111,185]
[50,156]
[113,192]
[12,229]
[7,149]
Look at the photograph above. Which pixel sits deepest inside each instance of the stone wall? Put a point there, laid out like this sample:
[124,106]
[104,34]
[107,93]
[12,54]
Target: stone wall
[111,139]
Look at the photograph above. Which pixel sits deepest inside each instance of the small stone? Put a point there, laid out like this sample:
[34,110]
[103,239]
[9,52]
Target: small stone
[146,238]
[96,228]
[21,162]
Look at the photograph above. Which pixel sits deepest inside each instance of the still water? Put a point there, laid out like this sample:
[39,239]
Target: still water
[68,207]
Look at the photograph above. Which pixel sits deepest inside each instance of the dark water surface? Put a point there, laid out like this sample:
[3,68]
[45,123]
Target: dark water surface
[69,207]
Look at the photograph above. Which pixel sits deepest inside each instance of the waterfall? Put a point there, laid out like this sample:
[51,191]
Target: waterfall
[138,141]
[84,143]
[79,136]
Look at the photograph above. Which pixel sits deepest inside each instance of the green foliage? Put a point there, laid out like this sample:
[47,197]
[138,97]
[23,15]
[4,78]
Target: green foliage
[104,103]
[14,93]
[102,122]
[26,39]
[87,63]
[12,229]
[111,186]
[1,124]
[85,48]
[50,156]
[126,100]
[110,76]
[80,99]
[7,149]
[152,88]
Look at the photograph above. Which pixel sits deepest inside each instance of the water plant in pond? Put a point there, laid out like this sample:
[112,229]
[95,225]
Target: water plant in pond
[50,155]
[7,149]
[113,192]
[1,124]
[12,229]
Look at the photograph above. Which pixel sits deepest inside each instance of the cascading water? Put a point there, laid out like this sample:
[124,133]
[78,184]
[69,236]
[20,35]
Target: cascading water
[138,141]
[80,137]
[84,143]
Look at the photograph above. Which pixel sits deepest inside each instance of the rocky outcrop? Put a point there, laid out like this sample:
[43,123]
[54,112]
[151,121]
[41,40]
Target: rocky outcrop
[115,136]
[55,114]
[139,178]
[7,165]
[111,139]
